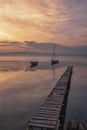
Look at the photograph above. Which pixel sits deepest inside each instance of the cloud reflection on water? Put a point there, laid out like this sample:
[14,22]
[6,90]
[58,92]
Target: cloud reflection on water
[23,89]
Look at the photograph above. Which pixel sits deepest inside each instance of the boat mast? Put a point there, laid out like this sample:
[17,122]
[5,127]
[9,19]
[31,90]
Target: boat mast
[53,55]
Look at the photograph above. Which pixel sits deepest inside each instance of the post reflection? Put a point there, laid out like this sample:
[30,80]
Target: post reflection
[17,65]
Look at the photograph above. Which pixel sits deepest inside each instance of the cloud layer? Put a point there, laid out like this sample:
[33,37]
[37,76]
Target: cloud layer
[60,21]
[28,48]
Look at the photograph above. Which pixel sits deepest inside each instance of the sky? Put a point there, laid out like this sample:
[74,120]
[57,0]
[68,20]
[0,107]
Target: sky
[59,21]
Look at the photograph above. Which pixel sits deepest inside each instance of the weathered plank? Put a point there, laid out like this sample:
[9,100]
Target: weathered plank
[52,106]
[49,108]
[45,118]
[47,122]
[31,124]
[48,113]
[61,97]
[56,96]
[53,102]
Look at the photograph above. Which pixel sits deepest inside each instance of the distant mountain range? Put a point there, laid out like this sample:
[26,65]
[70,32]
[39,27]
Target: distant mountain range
[33,48]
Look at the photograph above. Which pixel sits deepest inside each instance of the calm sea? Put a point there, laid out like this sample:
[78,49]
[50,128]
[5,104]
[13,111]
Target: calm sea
[24,89]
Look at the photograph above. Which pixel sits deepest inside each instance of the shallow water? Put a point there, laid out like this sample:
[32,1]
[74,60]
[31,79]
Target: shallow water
[23,90]
[77,101]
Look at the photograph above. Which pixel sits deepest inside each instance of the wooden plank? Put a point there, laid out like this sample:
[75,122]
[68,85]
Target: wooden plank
[63,92]
[48,108]
[45,113]
[59,103]
[55,96]
[58,93]
[49,112]
[64,77]
[46,122]
[61,87]
[59,90]
[41,125]
[52,105]
[44,118]
[47,116]
[62,83]
[52,97]
[54,100]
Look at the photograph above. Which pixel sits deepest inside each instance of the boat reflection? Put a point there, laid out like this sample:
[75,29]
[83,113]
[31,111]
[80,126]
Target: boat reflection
[17,65]
[24,65]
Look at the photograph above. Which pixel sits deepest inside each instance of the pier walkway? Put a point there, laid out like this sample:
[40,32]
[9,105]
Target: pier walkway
[51,114]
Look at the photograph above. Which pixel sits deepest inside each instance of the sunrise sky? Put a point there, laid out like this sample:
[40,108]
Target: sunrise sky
[59,21]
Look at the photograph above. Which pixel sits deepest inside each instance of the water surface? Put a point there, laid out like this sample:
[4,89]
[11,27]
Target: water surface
[23,90]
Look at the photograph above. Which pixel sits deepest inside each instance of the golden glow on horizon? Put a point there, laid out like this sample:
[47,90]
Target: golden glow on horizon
[41,21]
[5,76]
[26,20]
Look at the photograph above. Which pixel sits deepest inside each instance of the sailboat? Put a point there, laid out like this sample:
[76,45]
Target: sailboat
[53,61]
[33,64]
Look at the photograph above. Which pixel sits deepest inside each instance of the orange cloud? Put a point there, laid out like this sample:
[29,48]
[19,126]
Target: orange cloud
[42,21]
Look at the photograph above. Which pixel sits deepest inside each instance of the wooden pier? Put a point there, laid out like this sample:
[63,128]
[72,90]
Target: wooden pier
[51,114]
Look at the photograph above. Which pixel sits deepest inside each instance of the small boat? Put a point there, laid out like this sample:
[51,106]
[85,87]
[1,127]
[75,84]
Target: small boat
[53,61]
[33,64]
